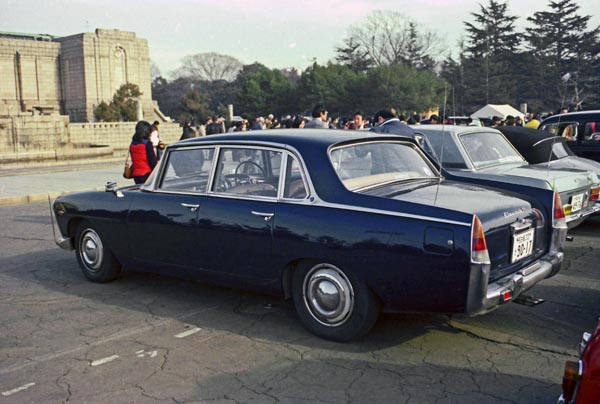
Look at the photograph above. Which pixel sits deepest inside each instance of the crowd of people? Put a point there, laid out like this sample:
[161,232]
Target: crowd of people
[321,119]
[146,147]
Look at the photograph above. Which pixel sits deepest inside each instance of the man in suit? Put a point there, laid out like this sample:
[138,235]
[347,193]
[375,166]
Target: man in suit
[319,118]
[387,122]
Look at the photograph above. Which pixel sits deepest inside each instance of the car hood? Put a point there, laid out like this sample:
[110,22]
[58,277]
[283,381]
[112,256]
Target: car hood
[493,207]
[562,180]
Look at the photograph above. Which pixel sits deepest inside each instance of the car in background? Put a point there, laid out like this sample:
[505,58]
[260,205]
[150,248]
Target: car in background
[344,223]
[545,149]
[580,129]
[464,121]
[581,378]
[484,156]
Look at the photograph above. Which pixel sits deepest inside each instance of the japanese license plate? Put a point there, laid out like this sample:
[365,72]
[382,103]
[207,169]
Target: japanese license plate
[522,245]
[576,202]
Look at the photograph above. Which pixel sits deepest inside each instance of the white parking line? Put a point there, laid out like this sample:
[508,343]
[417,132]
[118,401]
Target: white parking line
[13,391]
[188,333]
[104,360]
[114,337]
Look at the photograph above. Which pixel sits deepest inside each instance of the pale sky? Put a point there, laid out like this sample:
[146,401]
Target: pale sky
[276,33]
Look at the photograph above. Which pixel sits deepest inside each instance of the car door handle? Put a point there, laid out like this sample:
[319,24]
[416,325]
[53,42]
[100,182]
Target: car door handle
[193,207]
[266,216]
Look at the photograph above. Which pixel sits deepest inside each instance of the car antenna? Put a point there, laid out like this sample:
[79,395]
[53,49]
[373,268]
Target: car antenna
[564,79]
[437,190]
[554,139]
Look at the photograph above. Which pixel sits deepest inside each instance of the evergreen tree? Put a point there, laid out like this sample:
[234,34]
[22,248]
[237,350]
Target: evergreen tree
[561,43]
[123,106]
[195,106]
[419,52]
[491,50]
[353,55]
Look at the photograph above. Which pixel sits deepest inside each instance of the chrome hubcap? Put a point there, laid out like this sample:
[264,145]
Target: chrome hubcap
[328,295]
[91,250]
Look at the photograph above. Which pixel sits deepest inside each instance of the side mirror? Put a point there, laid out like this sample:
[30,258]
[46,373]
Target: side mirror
[111,186]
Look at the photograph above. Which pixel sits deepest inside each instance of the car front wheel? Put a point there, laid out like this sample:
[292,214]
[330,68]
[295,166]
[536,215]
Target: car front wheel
[331,303]
[95,260]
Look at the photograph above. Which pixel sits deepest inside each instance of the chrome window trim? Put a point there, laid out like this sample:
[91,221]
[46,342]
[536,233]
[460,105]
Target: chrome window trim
[282,175]
[390,213]
[309,195]
[214,173]
[161,166]
[436,173]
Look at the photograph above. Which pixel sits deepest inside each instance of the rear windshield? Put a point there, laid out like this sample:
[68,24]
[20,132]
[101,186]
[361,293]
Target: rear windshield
[367,165]
[488,149]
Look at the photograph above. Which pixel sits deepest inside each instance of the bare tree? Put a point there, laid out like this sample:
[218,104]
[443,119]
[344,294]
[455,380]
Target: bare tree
[391,38]
[209,67]
[154,70]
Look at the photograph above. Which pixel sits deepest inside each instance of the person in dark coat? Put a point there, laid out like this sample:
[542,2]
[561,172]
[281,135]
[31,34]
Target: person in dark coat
[188,131]
[215,127]
[387,122]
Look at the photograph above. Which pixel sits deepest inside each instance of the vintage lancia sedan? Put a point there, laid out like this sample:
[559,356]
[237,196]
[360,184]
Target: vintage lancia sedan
[483,156]
[345,223]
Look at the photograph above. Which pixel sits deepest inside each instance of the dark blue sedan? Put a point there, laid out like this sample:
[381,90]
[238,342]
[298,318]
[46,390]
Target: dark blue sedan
[345,223]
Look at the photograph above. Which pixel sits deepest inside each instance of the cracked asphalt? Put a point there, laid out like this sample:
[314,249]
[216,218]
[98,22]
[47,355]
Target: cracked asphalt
[149,338]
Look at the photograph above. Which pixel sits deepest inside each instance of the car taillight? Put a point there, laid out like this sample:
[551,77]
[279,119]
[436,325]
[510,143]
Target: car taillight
[595,194]
[479,251]
[573,372]
[558,213]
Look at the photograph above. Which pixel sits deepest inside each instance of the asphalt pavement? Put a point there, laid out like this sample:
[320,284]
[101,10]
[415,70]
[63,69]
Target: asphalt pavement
[19,186]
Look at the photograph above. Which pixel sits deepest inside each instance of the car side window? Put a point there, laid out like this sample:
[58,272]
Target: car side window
[187,170]
[450,156]
[295,187]
[591,133]
[248,171]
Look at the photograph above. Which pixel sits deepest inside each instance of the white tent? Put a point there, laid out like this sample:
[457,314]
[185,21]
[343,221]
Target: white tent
[492,110]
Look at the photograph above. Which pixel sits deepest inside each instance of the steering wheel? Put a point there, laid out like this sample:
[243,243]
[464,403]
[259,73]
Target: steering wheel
[237,179]
[252,163]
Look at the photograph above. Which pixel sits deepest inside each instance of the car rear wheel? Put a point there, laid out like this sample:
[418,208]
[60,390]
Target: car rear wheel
[95,260]
[333,304]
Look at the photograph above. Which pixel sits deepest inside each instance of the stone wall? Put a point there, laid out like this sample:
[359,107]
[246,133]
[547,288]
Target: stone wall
[49,139]
[96,65]
[116,134]
[29,75]
[73,74]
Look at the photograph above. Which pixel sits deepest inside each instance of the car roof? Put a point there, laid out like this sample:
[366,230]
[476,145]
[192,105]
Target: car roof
[572,115]
[296,138]
[453,129]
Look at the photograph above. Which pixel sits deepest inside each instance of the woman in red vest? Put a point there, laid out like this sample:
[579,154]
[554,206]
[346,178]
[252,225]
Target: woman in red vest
[143,158]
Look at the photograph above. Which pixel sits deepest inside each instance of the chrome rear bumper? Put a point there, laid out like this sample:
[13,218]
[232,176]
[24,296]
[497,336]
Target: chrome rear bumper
[576,218]
[484,297]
